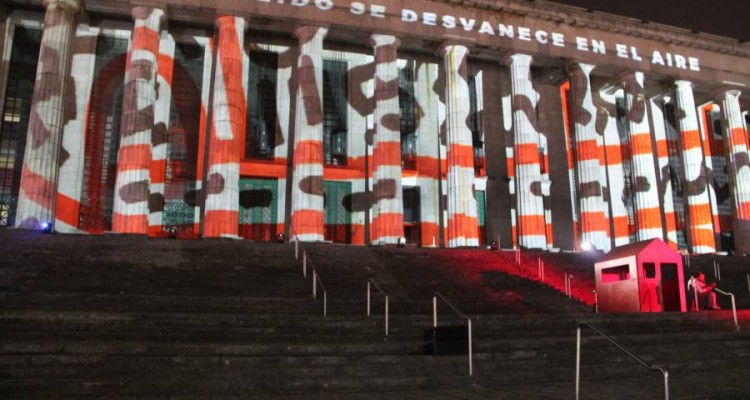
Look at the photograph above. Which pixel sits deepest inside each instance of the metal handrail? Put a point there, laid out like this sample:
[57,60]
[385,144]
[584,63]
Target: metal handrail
[734,305]
[717,290]
[622,348]
[460,314]
[316,277]
[372,281]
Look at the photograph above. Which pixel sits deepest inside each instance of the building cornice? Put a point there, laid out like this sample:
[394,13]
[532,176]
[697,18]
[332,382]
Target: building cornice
[624,26]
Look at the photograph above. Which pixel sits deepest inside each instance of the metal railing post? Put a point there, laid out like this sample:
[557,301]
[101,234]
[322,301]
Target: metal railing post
[368,298]
[460,314]
[315,285]
[386,315]
[748,282]
[718,269]
[325,303]
[622,348]
[471,362]
[304,264]
[578,362]
[539,267]
[434,311]
[734,314]
[296,248]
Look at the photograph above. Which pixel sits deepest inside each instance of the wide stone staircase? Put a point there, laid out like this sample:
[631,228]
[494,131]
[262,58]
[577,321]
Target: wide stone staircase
[123,317]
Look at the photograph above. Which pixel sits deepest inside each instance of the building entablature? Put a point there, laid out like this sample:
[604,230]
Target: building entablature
[541,29]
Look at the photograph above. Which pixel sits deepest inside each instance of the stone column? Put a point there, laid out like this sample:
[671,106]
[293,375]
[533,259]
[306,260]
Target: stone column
[738,167]
[645,186]
[160,138]
[700,228]
[388,212]
[72,152]
[38,189]
[308,215]
[227,131]
[529,196]
[589,152]
[463,221]
[130,208]
[606,126]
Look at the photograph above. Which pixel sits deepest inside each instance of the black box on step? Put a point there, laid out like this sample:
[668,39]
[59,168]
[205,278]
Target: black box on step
[446,341]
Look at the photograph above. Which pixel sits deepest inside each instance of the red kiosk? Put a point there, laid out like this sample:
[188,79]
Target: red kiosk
[641,277]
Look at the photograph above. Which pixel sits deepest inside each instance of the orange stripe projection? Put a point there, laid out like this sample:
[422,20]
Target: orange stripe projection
[136,223]
[307,221]
[385,220]
[37,189]
[649,218]
[691,140]
[388,153]
[532,225]
[67,210]
[132,158]
[219,222]
[165,67]
[640,144]
[527,154]
[461,155]
[308,152]
[158,171]
[595,220]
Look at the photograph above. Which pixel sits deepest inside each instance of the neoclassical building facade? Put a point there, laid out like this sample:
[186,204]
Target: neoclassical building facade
[447,123]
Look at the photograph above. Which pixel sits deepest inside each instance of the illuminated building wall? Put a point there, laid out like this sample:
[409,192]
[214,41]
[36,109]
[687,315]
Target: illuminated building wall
[364,122]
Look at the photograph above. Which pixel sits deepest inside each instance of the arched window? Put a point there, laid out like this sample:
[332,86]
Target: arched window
[103,135]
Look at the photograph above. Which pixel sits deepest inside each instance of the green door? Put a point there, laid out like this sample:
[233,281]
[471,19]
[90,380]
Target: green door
[258,209]
[480,195]
[338,218]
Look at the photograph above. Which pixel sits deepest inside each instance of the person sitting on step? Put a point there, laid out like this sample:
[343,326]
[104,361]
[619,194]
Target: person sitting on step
[703,290]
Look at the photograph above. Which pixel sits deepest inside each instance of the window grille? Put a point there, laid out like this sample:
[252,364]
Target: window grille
[627,166]
[16,112]
[407,105]
[182,144]
[335,110]
[261,107]
[103,135]
[675,172]
[475,123]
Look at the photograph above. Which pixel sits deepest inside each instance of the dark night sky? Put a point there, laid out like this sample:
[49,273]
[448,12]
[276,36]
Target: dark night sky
[720,17]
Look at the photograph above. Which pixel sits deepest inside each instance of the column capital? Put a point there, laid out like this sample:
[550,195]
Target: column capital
[682,84]
[722,93]
[71,6]
[516,59]
[224,21]
[156,15]
[575,67]
[379,40]
[307,33]
[629,77]
[449,45]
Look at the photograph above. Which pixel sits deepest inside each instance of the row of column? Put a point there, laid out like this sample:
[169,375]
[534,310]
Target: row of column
[654,217]
[132,189]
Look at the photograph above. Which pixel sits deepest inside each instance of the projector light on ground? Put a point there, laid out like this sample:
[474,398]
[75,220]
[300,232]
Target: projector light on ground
[401,242]
[586,246]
